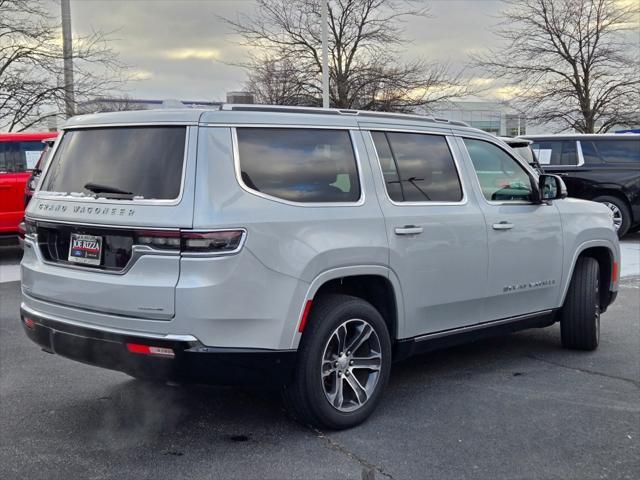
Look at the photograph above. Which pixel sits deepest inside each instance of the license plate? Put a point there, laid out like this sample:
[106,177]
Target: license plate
[85,249]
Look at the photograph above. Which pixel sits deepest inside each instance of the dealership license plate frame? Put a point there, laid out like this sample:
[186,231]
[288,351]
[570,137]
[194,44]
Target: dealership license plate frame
[85,249]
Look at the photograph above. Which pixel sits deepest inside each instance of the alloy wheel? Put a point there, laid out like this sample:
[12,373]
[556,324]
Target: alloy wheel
[351,365]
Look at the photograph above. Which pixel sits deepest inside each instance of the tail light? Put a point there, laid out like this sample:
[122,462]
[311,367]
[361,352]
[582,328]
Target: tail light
[163,239]
[221,241]
[211,242]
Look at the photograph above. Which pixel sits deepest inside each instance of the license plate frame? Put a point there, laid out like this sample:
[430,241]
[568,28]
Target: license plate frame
[85,249]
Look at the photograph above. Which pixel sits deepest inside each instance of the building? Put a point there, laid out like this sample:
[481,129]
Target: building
[492,117]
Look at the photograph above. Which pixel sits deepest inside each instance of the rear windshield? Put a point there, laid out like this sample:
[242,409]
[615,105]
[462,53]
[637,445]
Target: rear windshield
[123,163]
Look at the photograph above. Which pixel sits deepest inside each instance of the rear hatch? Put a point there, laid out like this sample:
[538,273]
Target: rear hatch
[107,220]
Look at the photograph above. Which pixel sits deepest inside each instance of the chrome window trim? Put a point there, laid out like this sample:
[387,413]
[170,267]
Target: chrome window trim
[579,152]
[528,169]
[46,195]
[462,201]
[236,165]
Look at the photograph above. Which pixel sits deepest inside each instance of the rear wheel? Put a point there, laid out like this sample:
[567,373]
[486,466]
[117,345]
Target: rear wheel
[621,214]
[580,315]
[343,365]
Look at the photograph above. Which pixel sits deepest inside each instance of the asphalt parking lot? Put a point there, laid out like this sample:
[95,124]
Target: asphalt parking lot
[513,407]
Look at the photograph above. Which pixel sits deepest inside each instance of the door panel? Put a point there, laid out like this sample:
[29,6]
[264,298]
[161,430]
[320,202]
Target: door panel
[438,249]
[524,238]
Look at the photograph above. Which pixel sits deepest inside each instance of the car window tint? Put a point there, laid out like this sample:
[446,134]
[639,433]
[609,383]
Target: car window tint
[27,155]
[299,165]
[555,152]
[19,156]
[590,152]
[145,161]
[501,177]
[619,151]
[388,166]
[426,171]
[6,160]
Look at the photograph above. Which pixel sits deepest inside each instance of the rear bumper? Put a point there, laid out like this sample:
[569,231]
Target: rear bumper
[192,362]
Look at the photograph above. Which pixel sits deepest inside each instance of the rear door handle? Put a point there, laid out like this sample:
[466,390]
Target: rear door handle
[408,230]
[502,226]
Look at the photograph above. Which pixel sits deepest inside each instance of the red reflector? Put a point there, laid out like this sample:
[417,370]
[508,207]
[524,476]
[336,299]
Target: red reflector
[30,323]
[150,350]
[305,314]
[614,273]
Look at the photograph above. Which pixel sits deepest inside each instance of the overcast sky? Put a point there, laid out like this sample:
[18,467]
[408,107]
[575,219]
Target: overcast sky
[180,49]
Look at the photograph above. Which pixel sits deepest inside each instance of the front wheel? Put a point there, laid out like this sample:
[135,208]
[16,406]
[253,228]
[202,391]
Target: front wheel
[343,365]
[580,315]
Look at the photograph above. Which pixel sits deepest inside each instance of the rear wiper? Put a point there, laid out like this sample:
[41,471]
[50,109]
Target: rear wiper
[98,188]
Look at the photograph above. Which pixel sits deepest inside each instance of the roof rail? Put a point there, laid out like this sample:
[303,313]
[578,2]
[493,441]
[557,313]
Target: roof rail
[337,111]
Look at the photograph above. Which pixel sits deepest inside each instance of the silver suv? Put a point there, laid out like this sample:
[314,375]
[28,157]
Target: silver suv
[301,247]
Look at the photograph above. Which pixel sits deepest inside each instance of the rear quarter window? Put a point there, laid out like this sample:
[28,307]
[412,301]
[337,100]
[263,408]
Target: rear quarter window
[299,164]
[618,151]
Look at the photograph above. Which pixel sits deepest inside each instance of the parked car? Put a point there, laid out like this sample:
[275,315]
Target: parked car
[33,180]
[522,147]
[19,153]
[603,168]
[308,248]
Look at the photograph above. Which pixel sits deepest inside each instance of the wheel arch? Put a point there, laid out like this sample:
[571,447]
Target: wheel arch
[604,254]
[376,284]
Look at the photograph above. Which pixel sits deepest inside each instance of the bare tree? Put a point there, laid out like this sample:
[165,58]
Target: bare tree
[31,65]
[365,47]
[570,62]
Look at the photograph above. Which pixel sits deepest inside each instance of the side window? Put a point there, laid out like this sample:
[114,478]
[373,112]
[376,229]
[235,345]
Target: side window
[556,152]
[619,151]
[28,155]
[6,162]
[417,167]
[590,153]
[299,165]
[501,177]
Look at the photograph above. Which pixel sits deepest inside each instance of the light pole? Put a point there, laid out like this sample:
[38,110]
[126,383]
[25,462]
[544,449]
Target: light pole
[325,56]
[67,53]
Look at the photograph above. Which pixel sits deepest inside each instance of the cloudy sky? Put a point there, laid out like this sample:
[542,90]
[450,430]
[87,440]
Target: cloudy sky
[181,49]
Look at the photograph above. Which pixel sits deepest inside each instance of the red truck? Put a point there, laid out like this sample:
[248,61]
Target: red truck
[19,153]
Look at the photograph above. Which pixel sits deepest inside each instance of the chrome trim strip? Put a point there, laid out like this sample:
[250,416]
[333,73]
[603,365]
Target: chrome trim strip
[38,195]
[236,163]
[462,201]
[479,326]
[579,151]
[277,125]
[118,331]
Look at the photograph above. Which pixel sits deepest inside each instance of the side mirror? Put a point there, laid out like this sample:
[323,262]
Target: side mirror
[551,187]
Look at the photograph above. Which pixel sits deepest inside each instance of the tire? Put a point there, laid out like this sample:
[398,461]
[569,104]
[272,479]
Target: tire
[580,315]
[620,210]
[308,396]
